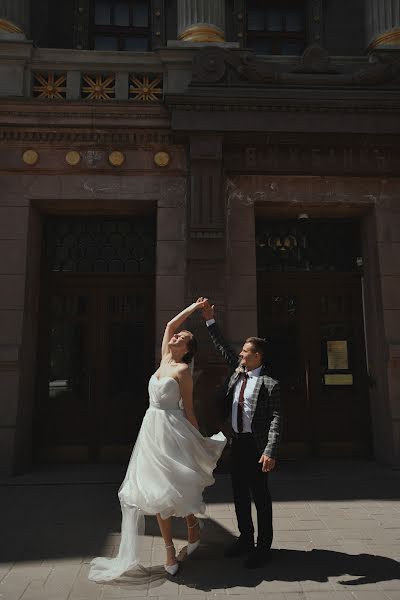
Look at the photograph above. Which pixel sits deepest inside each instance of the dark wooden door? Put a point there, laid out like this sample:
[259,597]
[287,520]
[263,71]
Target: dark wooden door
[315,325]
[95,359]
[125,363]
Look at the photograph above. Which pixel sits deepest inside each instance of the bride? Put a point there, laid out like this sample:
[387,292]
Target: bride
[171,462]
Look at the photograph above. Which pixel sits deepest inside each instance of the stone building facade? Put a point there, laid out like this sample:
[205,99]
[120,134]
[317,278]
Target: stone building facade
[152,152]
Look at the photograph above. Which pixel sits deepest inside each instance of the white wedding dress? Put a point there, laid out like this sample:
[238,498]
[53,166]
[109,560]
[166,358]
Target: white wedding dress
[170,466]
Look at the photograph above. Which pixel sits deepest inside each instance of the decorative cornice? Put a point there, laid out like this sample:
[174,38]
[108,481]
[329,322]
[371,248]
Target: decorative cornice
[74,115]
[54,122]
[310,106]
[80,109]
[310,139]
[131,138]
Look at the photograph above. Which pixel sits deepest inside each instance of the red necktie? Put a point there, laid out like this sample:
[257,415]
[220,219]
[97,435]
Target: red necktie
[240,404]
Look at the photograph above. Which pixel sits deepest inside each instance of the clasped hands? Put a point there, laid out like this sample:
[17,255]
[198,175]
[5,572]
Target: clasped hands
[207,310]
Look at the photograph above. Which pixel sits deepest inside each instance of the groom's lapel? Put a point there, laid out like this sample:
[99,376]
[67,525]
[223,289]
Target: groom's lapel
[254,396]
[257,387]
[233,379]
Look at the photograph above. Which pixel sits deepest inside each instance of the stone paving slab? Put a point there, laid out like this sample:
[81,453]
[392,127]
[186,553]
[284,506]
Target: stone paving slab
[337,537]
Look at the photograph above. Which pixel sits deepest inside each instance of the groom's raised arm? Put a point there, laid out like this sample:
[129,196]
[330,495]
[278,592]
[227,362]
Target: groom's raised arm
[218,339]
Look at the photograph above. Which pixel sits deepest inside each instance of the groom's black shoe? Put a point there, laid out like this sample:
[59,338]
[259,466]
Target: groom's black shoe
[258,558]
[239,547]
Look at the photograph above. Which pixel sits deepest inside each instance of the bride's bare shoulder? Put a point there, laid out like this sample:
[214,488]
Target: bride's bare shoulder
[183,370]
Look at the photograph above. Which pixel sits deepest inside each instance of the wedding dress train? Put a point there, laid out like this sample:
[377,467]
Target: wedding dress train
[170,466]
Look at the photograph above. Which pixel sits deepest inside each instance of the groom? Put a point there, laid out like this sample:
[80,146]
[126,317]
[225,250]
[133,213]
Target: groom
[252,400]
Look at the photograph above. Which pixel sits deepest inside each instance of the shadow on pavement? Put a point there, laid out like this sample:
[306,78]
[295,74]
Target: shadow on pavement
[211,571]
[76,513]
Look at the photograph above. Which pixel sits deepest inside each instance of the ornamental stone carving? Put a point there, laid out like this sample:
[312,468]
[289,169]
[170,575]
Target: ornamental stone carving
[236,68]
[315,59]
[213,65]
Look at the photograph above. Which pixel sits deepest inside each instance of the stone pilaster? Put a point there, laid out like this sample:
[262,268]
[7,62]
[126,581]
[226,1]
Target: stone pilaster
[201,20]
[205,269]
[383,24]
[18,12]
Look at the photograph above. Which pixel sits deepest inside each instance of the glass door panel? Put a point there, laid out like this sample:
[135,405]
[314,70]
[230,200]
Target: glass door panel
[342,410]
[99,347]
[64,406]
[281,325]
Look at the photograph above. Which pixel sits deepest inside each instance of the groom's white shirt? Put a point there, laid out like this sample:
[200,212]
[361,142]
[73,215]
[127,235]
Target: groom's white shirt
[248,392]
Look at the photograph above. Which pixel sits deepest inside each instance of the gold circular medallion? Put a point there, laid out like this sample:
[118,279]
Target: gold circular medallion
[73,158]
[30,157]
[162,159]
[116,158]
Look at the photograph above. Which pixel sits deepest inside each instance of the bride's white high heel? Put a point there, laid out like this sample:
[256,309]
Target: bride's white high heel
[192,546]
[171,569]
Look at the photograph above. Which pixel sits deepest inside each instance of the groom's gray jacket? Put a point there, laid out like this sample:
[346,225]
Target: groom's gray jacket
[264,403]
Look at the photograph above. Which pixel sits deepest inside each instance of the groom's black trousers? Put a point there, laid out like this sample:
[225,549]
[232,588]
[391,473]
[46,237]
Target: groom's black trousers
[248,481]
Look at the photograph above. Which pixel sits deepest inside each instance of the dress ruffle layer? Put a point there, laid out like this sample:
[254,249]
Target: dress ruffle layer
[170,466]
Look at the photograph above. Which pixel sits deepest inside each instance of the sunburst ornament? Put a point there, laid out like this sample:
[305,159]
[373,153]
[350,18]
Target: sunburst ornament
[145,88]
[99,87]
[50,85]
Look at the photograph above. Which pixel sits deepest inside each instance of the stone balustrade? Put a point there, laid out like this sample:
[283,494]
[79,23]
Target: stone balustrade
[57,75]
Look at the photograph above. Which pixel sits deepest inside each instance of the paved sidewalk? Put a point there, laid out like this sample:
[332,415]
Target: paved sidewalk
[337,536]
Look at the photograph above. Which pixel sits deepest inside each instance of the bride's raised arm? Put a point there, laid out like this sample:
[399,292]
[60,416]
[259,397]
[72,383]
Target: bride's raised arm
[174,324]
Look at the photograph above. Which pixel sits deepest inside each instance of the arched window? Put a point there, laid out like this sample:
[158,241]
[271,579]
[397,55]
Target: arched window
[120,25]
